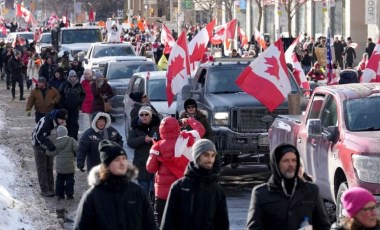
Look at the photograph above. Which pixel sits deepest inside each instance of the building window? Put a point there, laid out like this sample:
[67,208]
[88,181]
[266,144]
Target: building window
[269,24]
[301,20]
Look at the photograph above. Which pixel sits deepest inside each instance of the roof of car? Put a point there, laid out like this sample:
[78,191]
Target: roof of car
[152,74]
[354,90]
[111,44]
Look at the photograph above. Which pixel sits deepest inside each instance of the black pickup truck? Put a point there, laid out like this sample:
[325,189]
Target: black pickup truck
[239,121]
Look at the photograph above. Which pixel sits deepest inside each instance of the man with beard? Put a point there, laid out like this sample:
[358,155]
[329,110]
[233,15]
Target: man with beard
[197,201]
[285,201]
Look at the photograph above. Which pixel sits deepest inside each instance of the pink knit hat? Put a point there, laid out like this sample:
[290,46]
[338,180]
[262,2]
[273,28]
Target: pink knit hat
[355,199]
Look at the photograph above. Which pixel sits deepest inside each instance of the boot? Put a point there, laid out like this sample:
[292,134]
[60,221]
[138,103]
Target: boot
[22,98]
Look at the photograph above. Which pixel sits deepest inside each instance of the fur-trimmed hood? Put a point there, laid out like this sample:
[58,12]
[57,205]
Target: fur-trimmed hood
[94,180]
[96,118]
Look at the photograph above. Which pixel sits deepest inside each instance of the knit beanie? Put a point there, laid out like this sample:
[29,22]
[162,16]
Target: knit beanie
[201,146]
[61,131]
[282,150]
[190,102]
[61,114]
[145,109]
[355,199]
[98,74]
[110,150]
[72,73]
[42,80]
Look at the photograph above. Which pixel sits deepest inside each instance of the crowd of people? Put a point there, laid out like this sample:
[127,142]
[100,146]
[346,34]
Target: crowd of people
[172,182]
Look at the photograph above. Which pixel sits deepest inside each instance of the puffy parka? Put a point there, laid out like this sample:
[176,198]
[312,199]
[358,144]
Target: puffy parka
[162,161]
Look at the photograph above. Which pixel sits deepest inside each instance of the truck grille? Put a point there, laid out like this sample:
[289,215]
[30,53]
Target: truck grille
[250,119]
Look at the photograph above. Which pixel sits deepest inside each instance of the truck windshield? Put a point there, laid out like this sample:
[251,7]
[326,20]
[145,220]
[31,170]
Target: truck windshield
[362,114]
[157,90]
[107,51]
[81,36]
[223,80]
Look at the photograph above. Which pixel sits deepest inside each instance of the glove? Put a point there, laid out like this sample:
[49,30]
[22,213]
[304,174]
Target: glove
[28,112]
[105,96]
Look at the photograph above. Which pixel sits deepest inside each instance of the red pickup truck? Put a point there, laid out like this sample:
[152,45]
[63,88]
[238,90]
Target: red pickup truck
[338,138]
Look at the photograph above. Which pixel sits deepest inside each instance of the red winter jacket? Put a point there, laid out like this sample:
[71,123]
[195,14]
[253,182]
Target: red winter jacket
[87,102]
[161,160]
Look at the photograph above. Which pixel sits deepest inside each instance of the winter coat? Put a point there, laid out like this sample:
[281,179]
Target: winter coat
[47,71]
[271,208]
[57,82]
[116,203]
[201,117]
[338,49]
[89,98]
[15,67]
[89,142]
[72,95]
[33,70]
[136,140]
[369,48]
[350,54]
[348,76]
[43,100]
[196,201]
[78,69]
[161,157]
[43,129]
[105,89]
[66,150]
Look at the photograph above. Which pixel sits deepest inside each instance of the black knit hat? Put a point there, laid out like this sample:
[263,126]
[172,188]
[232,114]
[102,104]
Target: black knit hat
[190,102]
[110,150]
[61,114]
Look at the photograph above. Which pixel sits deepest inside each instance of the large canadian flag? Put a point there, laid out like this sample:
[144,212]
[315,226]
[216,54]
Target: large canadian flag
[372,71]
[198,45]
[178,71]
[167,39]
[266,78]
[291,57]
[21,11]
[243,36]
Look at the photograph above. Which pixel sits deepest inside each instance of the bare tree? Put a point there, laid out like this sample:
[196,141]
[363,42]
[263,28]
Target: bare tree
[208,6]
[260,6]
[291,8]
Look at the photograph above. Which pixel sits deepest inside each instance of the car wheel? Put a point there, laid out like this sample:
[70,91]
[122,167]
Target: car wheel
[339,206]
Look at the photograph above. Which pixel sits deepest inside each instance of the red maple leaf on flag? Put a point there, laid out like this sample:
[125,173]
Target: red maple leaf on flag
[197,52]
[273,68]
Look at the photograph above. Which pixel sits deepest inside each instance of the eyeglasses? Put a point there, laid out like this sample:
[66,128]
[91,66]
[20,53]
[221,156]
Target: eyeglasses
[144,114]
[370,209]
[190,106]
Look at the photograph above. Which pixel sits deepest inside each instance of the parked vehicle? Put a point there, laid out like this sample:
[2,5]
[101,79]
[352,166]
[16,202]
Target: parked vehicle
[118,74]
[239,121]
[338,138]
[75,40]
[27,35]
[43,42]
[99,53]
[152,84]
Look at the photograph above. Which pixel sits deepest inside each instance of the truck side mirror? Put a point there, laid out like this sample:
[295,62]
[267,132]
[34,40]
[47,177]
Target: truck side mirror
[314,127]
[86,60]
[332,133]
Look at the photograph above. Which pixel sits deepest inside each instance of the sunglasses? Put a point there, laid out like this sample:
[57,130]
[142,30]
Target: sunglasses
[144,114]
[190,107]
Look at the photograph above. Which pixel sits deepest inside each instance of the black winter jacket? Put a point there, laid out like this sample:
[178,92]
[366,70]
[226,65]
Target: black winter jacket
[15,67]
[89,142]
[116,203]
[136,140]
[72,96]
[196,201]
[43,129]
[272,209]
[47,71]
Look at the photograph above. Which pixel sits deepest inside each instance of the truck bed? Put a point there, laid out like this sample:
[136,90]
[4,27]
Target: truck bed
[284,130]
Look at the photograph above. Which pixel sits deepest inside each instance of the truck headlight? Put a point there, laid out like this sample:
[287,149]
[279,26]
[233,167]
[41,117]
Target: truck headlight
[367,168]
[221,118]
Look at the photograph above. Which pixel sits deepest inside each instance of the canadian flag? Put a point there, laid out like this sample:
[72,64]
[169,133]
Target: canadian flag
[91,15]
[198,45]
[52,20]
[291,57]
[266,78]
[25,14]
[372,71]
[178,71]
[167,39]
[2,27]
[260,39]
[224,32]
[242,36]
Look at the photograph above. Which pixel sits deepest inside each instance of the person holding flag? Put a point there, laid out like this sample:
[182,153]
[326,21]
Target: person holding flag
[169,157]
